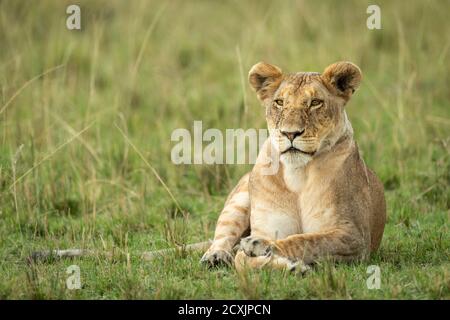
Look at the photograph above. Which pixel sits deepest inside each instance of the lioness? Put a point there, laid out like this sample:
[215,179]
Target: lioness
[322,201]
[309,195]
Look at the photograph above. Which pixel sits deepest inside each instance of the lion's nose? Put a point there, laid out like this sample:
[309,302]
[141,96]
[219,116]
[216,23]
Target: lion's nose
[291,135]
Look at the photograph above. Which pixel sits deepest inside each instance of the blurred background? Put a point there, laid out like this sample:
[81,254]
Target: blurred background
[68,98]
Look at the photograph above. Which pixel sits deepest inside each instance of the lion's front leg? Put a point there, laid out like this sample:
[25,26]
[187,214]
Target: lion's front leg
[335,243]
[231,225]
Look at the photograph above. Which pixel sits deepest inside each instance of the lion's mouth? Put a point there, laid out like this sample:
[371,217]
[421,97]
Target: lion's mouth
[295,150]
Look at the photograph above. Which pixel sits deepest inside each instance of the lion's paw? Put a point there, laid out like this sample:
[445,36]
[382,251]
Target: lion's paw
[213,258]
[297,267]
[255,247]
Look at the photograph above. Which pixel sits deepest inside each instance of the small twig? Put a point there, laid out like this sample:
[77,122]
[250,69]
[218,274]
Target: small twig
[48,156]
[26,84]
[151,168]
[420,195]
[72,131]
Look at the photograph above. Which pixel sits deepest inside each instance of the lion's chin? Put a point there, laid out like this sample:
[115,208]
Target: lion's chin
[293,150]
[296,157]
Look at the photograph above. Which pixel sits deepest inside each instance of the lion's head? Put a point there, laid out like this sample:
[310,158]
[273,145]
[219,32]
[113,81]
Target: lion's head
[305,110]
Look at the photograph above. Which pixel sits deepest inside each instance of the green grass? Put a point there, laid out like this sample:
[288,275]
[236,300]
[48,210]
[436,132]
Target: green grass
[151,67]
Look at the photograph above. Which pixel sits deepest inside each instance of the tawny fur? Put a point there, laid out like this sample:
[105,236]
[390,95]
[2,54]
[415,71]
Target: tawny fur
[310,195]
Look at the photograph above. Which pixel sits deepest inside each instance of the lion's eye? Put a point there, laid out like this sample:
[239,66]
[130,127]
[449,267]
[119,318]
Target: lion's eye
[279,102]
[316,102]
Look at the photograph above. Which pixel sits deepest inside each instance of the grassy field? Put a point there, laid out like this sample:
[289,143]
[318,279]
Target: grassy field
[70,179]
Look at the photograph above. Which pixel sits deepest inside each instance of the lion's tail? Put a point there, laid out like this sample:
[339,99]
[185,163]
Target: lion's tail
[200,246]
[146,255]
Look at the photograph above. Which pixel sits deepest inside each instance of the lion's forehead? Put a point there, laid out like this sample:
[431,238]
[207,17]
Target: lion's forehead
[300,79]
[301,85]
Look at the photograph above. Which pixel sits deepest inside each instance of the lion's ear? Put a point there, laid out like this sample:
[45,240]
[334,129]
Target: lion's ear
[343,78]
[265,79]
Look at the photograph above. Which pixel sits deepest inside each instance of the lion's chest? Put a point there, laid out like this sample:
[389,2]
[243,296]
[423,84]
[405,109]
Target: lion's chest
[275,218]
[294,206]
[275,212]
